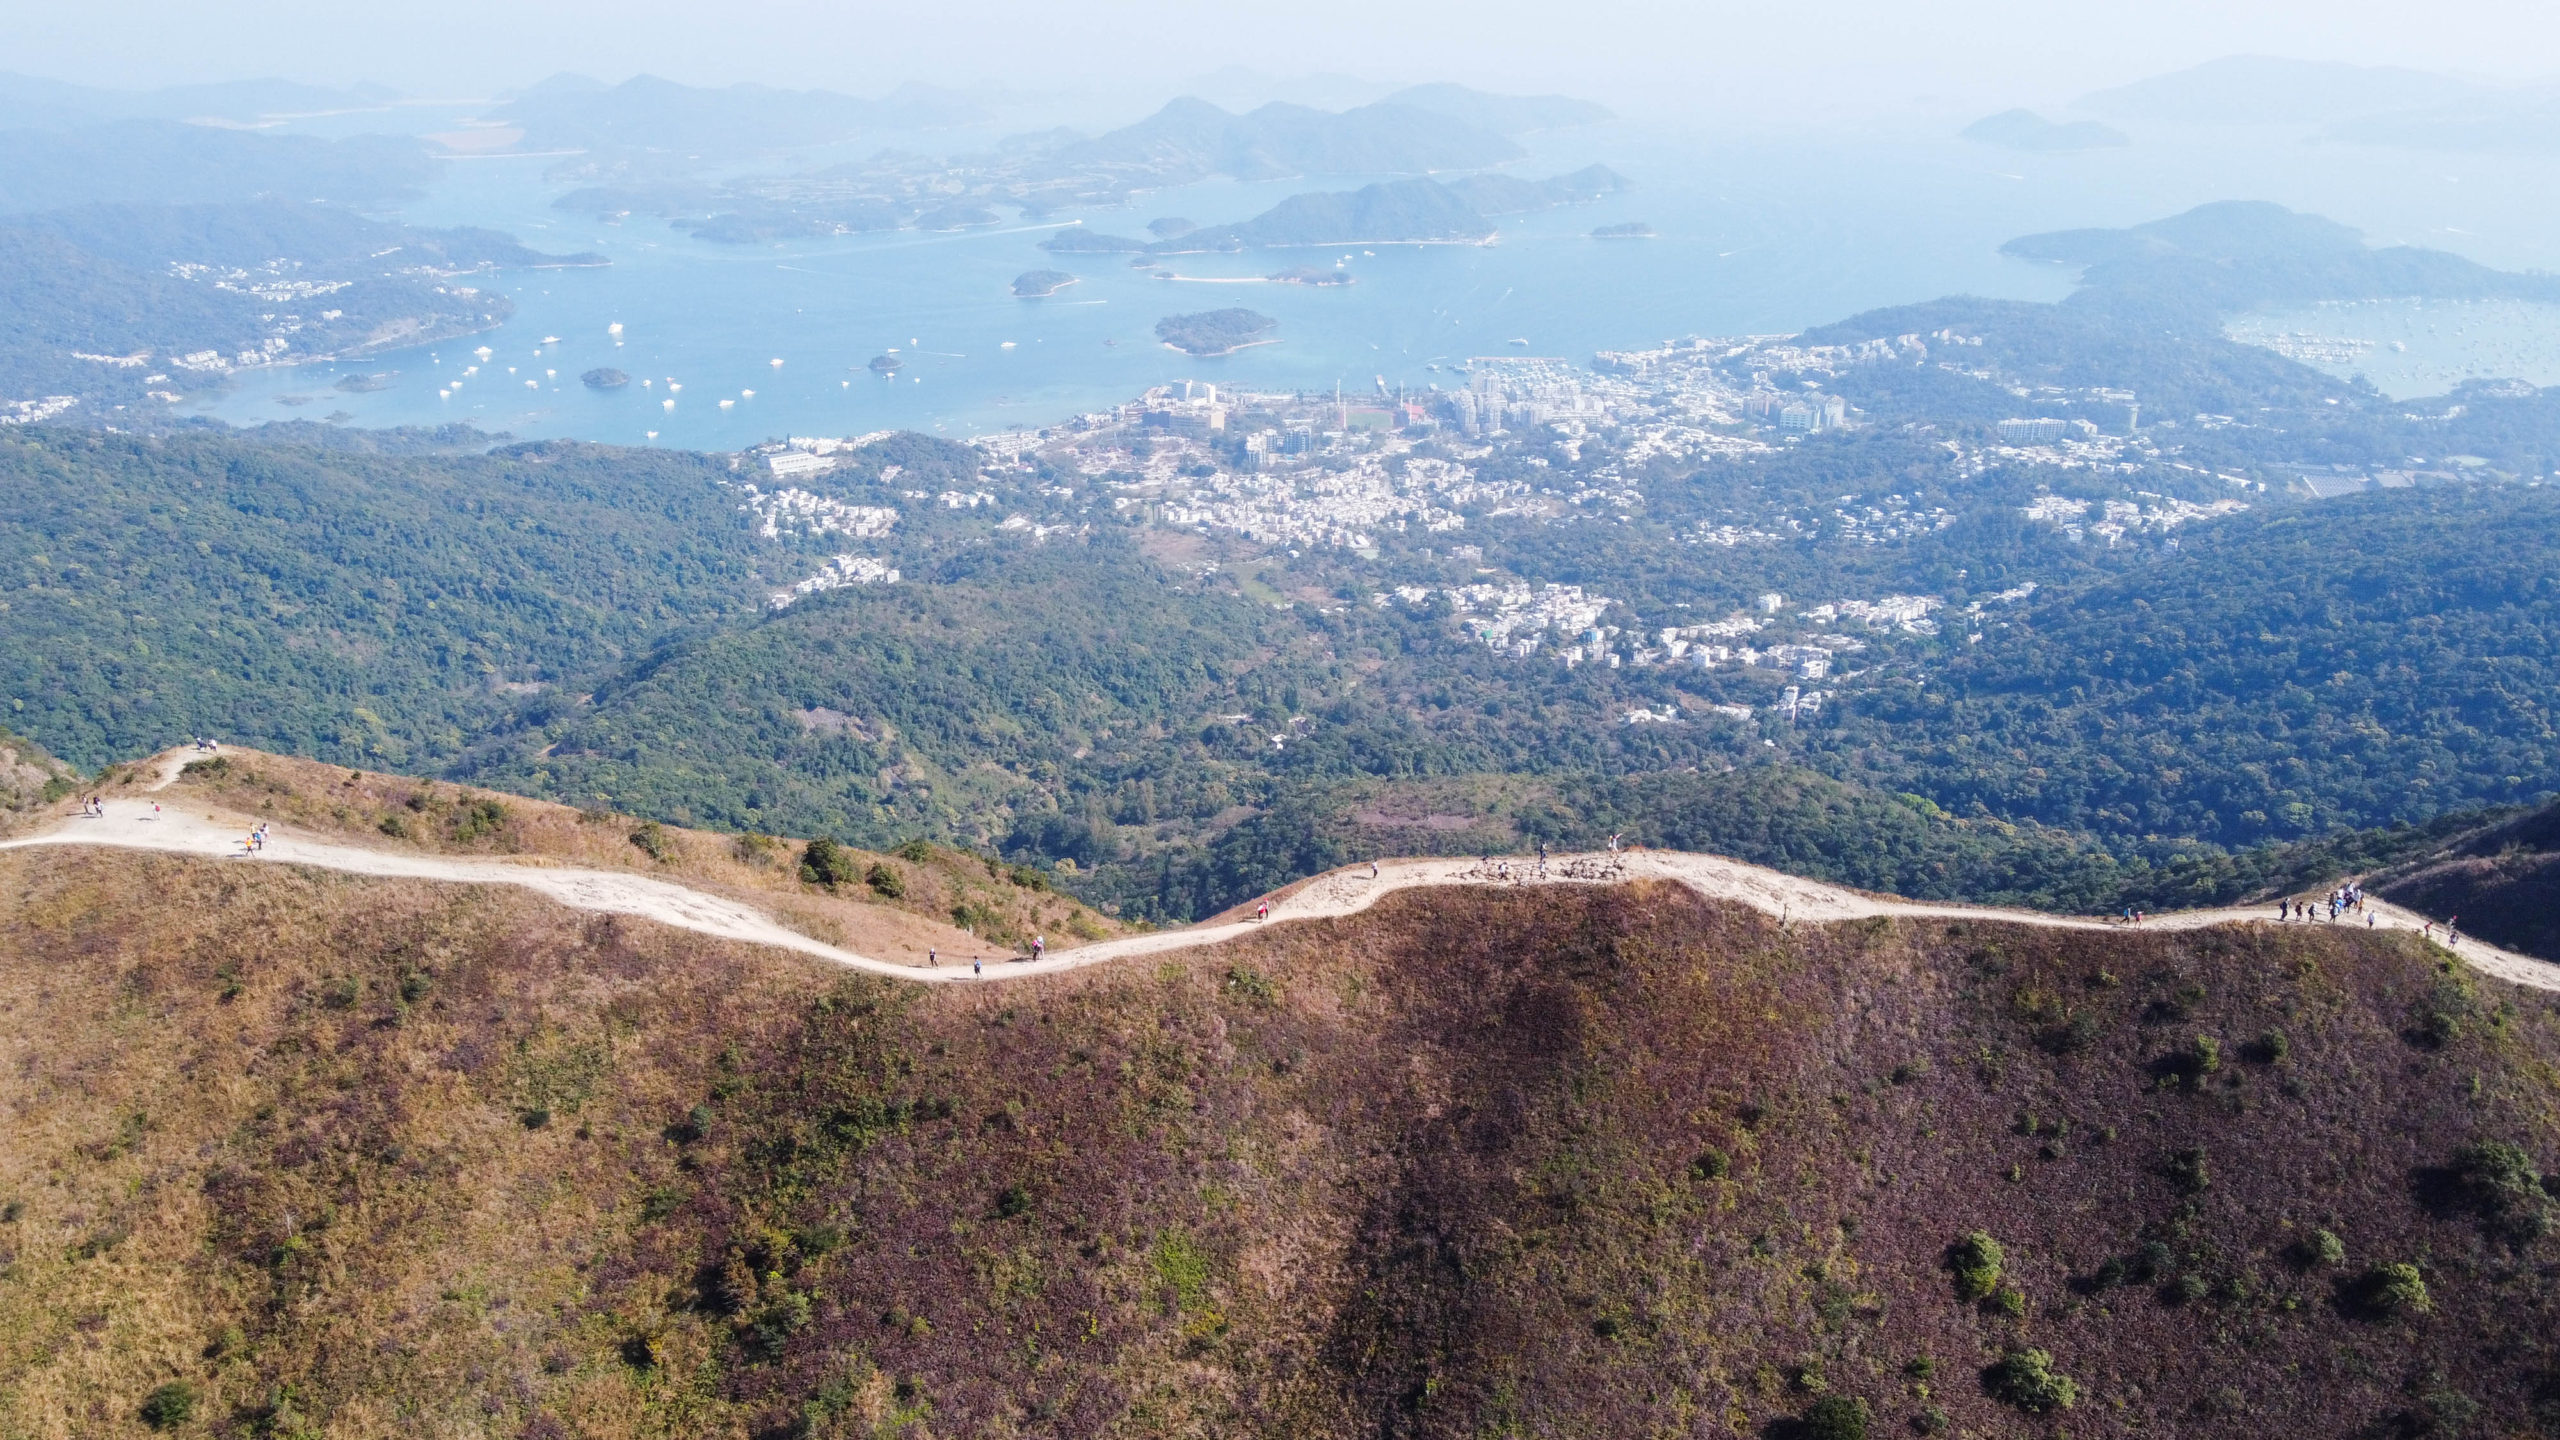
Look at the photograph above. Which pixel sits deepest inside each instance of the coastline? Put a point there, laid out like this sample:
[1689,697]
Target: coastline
[1215,354]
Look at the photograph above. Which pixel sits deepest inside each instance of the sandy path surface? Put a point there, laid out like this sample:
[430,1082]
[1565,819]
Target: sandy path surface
[144,824]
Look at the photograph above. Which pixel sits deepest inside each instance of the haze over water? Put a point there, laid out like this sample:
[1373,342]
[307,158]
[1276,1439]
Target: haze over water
[1753,236]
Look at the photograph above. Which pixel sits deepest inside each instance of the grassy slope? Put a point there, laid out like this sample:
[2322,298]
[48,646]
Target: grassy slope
[30,780]
[2502,880]
[937,888]
[402,1159]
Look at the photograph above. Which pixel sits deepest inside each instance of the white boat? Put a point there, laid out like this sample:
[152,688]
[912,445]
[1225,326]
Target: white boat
[725,404]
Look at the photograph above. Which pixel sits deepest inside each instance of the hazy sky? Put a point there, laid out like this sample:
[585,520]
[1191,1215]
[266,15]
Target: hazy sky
[1719,57]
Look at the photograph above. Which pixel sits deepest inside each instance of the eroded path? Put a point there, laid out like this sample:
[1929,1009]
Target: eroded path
[143,824]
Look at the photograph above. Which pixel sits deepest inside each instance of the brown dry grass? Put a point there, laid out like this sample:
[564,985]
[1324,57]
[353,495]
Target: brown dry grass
[1428,1171]
[941,891]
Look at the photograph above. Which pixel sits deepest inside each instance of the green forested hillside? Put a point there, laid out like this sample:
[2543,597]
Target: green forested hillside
[2369,660]
[589,624]
[334,605]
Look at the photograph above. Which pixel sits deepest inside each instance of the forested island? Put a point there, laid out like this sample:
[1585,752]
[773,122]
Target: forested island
[1037,284]
[604,377]
[1215,332]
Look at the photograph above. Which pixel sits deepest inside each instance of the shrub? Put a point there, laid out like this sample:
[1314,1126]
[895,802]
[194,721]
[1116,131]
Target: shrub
[2027,1379]
[1835,1417]
[1251,984]
[2320,1247]
[173,1404]
[219,765]
[395,827]
[824,862]
[1013,1200]
[756,850]
[1976,1260]
[2208,1054]
[2188,1289]
[2271,1046]
[914,852]
[1711,1165]
[884,881]
[2500,1181]
[2010,1301]
[2394,1289]
[2186,1171]
[481,817]
[1028,877]
[652,840]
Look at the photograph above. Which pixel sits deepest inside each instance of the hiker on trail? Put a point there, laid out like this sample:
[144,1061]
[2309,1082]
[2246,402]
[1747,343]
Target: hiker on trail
[1039,943]
[1373,869]
[932,956]
[975,968]
[1613,841]
[1262,911]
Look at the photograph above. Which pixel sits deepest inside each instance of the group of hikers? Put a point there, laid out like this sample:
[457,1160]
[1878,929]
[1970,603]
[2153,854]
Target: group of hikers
[255,841]
[2347,899]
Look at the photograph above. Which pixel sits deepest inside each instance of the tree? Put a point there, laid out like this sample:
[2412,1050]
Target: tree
[1976,1259]
[1835,1417]
[824,862]
[170,1406]
[2027,1379]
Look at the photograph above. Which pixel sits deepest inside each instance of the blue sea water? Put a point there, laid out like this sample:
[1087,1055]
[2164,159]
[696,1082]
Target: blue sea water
[1753,236]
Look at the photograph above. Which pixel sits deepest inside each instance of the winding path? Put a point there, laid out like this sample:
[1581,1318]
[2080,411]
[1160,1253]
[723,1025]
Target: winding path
[141,824]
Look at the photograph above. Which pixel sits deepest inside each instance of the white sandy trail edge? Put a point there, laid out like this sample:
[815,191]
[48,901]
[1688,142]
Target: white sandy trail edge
[140,824]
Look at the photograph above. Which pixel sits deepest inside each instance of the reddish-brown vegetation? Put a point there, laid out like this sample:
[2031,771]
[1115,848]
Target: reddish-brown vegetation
[2503,882]
[1475,1163]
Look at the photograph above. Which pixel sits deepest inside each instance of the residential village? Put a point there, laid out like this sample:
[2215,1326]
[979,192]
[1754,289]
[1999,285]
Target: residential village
[1393,469]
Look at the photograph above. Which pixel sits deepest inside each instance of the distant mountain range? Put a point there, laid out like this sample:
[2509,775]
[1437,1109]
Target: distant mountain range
[1396,212]
[1422,131]
[154,161]
[2266,90]
[2347,104]
[2235,254]
[1191,139]
[647,112]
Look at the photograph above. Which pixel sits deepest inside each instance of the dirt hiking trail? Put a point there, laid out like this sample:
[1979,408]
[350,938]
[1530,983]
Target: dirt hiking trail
[143,824]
